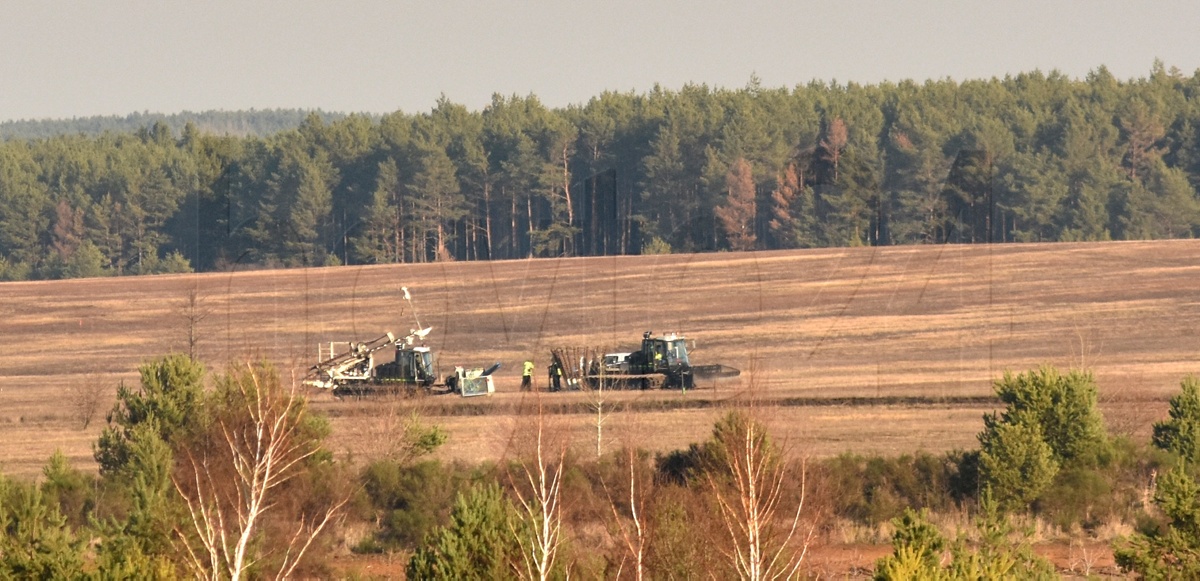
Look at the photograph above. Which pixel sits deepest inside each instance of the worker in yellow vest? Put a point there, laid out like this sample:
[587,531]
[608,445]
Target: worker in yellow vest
[527,376]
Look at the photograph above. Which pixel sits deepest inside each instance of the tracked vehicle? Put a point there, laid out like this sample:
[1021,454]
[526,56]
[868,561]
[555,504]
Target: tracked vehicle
[661,362]
[349,368]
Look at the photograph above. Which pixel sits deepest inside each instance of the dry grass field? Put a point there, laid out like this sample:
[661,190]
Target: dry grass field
[858,349]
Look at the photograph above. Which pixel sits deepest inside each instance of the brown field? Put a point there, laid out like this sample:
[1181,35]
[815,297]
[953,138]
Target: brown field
[860,349]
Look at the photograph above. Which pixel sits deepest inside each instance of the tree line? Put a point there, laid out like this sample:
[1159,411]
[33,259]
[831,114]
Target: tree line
[1031,157]
[256,122]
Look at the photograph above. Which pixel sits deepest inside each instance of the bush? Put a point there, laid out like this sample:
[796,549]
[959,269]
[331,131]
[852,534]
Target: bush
[873,490]
[1080,496]
[174,263]
[409,501]
[656,245]
[35,541]
[86,262]
[68,489]
[687,530]
[13,271]
[917,548]
[681,467]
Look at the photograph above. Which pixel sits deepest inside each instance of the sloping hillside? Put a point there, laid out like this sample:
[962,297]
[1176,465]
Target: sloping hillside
[902,342]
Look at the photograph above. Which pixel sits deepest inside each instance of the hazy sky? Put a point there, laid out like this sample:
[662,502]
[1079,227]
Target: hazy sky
[76,58]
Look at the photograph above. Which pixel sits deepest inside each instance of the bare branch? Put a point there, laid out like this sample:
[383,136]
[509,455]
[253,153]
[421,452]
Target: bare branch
[84,397]
[540,503]
[750,492]
[262,451]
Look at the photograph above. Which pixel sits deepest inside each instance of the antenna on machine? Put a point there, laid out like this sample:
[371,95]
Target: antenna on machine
[408,297]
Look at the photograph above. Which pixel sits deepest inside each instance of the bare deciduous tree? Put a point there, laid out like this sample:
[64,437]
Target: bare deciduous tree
[228,487]
[537,487]
[192,311]
[633,526]
[751,494]
[593,378]
[84,397]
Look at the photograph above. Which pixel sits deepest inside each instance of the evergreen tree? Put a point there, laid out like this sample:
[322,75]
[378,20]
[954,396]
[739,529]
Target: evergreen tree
[85,262]
[1062,406]
[1050,422]
[1015,463]
[476,544]
[1181,433]
[166,401]
[1174,551]
[381,239]
[1031,157]
[35,541]
[438,204]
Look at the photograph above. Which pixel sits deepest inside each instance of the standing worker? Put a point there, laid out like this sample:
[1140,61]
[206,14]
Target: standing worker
[527,376]
[555,375]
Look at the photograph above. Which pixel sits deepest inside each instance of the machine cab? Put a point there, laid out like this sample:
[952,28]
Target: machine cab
[415,364]
[671,349]
[666,351]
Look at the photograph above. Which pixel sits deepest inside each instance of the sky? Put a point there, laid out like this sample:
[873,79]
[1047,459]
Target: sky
[75,58]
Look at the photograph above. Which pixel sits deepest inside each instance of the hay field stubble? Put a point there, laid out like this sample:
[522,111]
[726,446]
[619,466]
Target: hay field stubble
[888,349]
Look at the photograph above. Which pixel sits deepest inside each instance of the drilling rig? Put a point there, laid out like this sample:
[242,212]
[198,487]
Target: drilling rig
[351,368]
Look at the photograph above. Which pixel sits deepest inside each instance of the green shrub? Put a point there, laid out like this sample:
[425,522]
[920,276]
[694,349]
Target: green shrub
[873,490]
[87,262]
[917,547]
[35,541]
[409,501]
[70,490]
[174,263]
[13,271]
[686,533]
[1078,496]
[681,467]
[656,245]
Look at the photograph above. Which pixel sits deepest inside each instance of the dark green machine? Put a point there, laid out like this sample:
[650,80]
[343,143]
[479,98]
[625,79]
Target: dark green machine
[663,362]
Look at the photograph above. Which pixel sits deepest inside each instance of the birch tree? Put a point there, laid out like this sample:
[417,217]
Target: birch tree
[749,484]
[630,511]
[235,476]
[537,485]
